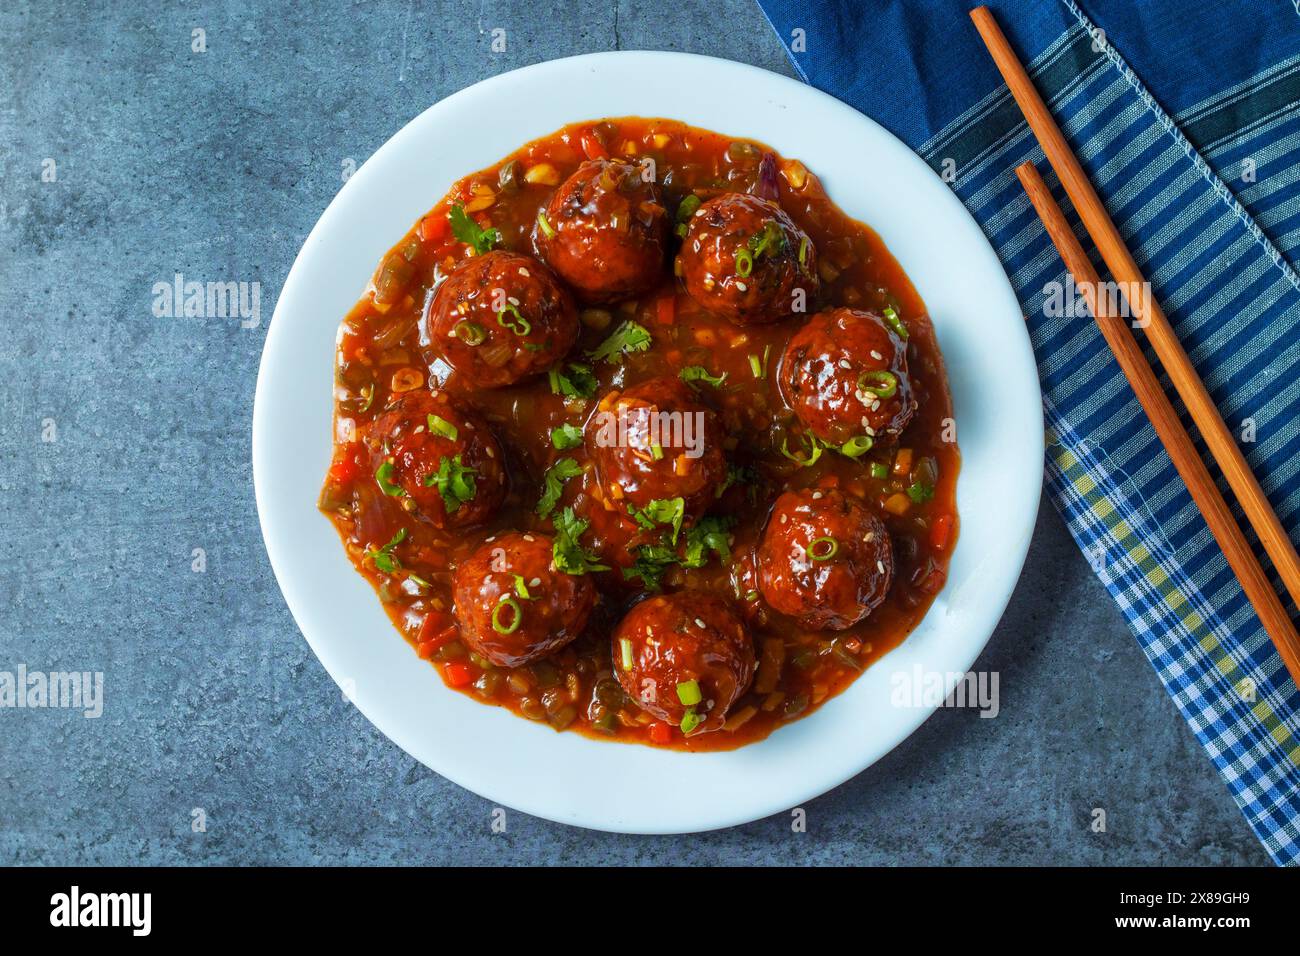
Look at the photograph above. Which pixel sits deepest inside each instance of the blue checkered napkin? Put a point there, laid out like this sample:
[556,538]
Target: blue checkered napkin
[1191,133]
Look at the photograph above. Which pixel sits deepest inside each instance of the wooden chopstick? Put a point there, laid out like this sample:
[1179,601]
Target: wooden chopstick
[1145,310]
[1170,430]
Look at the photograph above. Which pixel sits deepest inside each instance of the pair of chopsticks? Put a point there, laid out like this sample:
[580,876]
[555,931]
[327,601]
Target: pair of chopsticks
[1147,313]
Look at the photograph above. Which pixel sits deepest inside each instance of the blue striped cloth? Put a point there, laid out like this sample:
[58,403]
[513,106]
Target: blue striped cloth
[1186,116]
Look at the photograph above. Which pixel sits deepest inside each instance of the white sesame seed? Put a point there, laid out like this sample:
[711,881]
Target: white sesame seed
[880,566]
[512,300]
[525,273]
[844,363]
[868,536]
[741,286]
[877,356]
[490,452]
[699,623]
[817,496]
[866,422]
[535,583]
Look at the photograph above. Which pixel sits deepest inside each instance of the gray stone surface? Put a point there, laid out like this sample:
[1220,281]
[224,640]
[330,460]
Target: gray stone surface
[216,165]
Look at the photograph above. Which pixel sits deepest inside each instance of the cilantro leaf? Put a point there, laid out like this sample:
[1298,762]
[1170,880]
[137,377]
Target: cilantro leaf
[566,436]
[579,382]
[384,558]
[652,563]
[628,337]
[467,231]
[698,373]
[660,511]
[454,482]
[711,534]
[555,477]
[567,553]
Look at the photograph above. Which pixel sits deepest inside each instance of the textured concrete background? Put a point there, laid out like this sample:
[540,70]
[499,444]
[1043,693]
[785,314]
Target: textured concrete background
[216,165]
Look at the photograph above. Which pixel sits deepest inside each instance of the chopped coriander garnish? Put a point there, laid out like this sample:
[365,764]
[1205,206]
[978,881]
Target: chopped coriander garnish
[920,492]
[440,426]
[710,534]
[628,337]
[660,511]
[698,373]
[384,476]
[652,563]
[384,558]
[554,479]
[578,382]
[454,482]
[566,436]
[567,553]
[467,231]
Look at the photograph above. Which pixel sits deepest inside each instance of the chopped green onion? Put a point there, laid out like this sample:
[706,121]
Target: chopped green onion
[657,451]
[857,446]
[690,720]
[815,451]
[384,476]
[516,617]
[879,470]
[803,252]
[756,366]
[440,426]
[471,333]
[895,323]
[625,648]
[744,263]
[823,549]
[520,326]
[688,692]
[880,383]
[686,208]
[547,230]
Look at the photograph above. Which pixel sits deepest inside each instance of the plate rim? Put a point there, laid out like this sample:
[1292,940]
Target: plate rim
[368,704]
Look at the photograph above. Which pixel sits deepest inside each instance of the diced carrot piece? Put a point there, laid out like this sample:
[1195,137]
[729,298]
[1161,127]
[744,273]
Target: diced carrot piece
[459,674]
[434,228]
[666,308]
[903,462]
[940,532]
[660,733]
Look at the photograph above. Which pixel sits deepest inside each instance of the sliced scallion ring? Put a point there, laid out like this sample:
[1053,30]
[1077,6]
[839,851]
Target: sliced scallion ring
[744,263]
[471,333]
[690,720]
[516,616]
[857,446]
[625,651]
[686,208]
[823,549]
[543,224]
[518,324]
[880,383]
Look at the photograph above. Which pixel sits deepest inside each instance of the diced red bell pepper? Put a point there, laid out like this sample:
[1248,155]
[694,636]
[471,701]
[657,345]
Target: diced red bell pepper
[460,674]
[940,532]
[660,733]
[593,146]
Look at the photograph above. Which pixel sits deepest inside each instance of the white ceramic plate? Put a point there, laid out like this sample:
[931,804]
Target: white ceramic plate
[564,776]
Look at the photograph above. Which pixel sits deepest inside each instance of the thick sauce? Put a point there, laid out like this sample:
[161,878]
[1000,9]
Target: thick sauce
[386,360]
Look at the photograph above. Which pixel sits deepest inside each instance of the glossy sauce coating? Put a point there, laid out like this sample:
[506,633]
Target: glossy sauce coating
[605,231]
[907,484]
[684,652]
[512,606]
